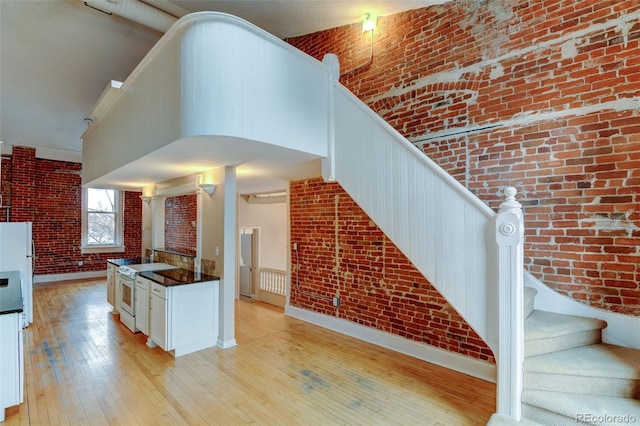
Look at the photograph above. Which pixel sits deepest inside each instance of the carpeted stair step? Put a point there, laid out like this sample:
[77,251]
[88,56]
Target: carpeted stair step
[529,297]
[558,408]
[546,332]
[600,369]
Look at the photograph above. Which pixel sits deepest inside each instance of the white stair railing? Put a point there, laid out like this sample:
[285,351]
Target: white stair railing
[472,256]
[273,281]
[445,230]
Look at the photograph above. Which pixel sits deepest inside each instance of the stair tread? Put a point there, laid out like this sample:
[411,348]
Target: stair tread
[570,405]
[545,325]
[600,360]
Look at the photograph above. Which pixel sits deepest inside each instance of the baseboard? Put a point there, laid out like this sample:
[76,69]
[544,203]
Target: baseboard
[271,298]
[451,360]
[226,344]
[71,276]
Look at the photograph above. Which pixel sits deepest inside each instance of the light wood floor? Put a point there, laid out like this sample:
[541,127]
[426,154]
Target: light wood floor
[85,368]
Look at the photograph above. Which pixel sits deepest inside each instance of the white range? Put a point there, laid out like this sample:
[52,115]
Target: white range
[126,289]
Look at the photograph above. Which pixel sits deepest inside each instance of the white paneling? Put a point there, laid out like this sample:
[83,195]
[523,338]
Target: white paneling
[439,225]
[242,82]
[213,75]
[458,240]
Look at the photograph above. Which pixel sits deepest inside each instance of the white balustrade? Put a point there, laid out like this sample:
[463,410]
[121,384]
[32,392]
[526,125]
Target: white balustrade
[273,281]
[472,256]
[445,230]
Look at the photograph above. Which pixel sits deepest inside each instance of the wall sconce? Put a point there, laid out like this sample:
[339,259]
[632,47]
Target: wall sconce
[145,198]
[209,188]
[369,22]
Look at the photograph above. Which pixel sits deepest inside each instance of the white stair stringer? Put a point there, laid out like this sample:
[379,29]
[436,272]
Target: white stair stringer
[622,330]
[441,227]
[571,377]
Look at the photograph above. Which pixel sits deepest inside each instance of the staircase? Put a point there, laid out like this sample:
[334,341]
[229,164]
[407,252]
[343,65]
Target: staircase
[224,105]
[571,377]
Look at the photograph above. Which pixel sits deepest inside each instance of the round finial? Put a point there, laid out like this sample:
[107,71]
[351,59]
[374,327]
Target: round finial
[510,203]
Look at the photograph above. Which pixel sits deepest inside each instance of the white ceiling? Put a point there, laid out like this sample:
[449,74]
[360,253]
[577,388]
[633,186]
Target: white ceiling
[57,56]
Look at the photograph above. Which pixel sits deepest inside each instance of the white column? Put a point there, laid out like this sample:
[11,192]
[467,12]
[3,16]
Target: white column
[226,337]
[510,238]
[329,163]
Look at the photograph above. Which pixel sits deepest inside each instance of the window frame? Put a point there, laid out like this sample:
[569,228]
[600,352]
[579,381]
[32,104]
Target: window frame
[118,246]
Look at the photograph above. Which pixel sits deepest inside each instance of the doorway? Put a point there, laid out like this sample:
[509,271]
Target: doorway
[248,262]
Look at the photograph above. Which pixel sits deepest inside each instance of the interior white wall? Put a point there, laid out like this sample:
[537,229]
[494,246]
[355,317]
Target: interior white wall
[272,221]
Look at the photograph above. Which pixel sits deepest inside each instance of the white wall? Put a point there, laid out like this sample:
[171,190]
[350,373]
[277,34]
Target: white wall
[272,221]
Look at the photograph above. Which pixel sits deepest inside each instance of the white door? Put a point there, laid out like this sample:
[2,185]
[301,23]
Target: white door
[246,262]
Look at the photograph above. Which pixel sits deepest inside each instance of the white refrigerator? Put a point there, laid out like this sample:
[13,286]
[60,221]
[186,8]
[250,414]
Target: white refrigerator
[17,254]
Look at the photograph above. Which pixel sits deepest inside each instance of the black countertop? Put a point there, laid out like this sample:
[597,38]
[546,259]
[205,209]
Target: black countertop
[10,292]
[130,261]
[172,277]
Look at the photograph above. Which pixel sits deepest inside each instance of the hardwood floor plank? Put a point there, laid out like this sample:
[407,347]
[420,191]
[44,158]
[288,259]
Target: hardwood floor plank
[82,366]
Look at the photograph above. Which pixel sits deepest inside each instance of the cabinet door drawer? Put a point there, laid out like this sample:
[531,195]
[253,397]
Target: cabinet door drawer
[159,290]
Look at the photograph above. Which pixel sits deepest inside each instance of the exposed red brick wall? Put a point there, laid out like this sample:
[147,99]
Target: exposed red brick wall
[180,213]
[48,193]
[5,187]
[538,95]
[378,286]
[23,184]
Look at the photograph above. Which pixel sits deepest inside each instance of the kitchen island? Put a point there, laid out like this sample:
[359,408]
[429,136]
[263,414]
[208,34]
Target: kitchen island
[11,349]
[181,308]
[112,282]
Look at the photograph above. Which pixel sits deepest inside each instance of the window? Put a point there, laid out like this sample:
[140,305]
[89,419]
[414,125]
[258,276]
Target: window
[102,220]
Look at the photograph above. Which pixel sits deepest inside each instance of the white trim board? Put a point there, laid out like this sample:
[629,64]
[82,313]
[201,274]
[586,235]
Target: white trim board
[71,276]
[451,360]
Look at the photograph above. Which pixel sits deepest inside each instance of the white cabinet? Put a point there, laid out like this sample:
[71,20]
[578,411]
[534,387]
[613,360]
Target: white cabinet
[158,308]
[142,305]
[184,318]
[111,284]
[11,362]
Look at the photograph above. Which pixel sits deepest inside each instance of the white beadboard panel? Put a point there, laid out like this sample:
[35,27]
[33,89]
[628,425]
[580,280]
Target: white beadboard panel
[130,128]
[215,76]
[436,222]
[237,80]
[420,214]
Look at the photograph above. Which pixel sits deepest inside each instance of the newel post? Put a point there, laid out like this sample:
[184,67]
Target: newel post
[510,238]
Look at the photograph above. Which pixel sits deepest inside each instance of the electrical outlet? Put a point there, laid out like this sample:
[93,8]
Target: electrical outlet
[295,246]
[336,301]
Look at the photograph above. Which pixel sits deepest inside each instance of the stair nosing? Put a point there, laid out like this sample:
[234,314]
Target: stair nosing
[566,325]
[583,403]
